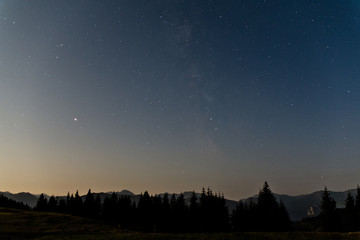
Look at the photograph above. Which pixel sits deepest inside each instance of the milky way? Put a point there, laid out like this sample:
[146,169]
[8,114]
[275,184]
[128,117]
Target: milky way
[179,95]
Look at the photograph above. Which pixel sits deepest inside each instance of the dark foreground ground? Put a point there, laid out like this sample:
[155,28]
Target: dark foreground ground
[19,224]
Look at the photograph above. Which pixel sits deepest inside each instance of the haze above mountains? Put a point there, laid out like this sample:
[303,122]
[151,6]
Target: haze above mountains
[299,207]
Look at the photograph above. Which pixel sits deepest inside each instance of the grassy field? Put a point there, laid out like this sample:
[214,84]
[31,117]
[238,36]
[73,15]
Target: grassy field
[19,224]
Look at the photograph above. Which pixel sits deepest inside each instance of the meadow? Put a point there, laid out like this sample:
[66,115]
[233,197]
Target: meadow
[22,224]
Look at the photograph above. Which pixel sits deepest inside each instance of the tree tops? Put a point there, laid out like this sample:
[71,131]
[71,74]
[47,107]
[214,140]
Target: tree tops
[205,212]
[267,214]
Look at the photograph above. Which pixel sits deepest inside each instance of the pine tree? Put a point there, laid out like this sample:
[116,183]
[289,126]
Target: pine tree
[179,211]
[350,202]
[145,214]
[268,214]
[194,217]
[156,203]
[124,211]
[77,205]
[267,207]
[90,205]
[52,204]
[222,214]
[328,218]
[239,218]
[285,223]
[357,207]
[110,210]
[69,202]
[350,216]
[42,203]
[164,218]
[98,206]
[62,205]
[214,216]
[357,199]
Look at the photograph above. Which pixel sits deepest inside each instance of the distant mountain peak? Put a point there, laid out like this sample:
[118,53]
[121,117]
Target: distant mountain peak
[126,192]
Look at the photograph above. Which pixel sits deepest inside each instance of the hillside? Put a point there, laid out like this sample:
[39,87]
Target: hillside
[19,224]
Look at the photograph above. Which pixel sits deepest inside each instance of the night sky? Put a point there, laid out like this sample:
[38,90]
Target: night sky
[178,95]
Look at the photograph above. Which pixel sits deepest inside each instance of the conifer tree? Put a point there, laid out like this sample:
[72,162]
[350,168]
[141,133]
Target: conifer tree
[124,211]
[194,217]
[267,214]
[350,215]
[285,223]
[110,210]
[98,205]
[145,217]
[165,215]
[179,211]
[42,203]
[357,199]
[350,202]
[214,216]
[328,218]
[52,204]
[77,204]
[267,207]
[357,207]
[69,201]
[62,205]
[239,218]
[90,205]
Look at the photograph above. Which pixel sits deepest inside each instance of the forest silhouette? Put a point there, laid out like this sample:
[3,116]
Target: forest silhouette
[205,212]
[170,213]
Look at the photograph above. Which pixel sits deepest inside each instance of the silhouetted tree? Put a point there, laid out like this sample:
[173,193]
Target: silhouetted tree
[52,204]
[285,223]
[110,209]
[156,203]
[350,215]
[239,217]
[98,205]
[267,209]
[328,217]
[62,207]
[214,216]
[164,215]
[178,210]
[70,200]
[357,207]
[144,216]
[125,211]
[194,213]
[42,203]
[90,208]
[265,215]
[357,198]
[77,205]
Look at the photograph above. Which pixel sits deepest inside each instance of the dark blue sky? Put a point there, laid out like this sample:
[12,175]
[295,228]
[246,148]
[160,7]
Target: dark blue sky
[179,95]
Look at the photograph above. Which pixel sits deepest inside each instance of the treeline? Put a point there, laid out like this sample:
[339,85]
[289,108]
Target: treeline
[205,213]
[332,219]
[10,203]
